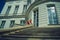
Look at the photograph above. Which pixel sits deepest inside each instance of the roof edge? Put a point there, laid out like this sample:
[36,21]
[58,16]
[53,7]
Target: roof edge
[12,0]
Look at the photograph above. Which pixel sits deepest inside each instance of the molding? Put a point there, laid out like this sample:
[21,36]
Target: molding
[13,16]
[53,24]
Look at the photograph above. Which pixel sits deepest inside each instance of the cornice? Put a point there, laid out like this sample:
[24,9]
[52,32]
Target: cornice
[12,0]
[14,16]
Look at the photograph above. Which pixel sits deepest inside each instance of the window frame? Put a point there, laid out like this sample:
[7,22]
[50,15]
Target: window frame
[3,24]
[54,21]
[36,14]
[11,25]
[16,9]
[24,8]
[23,22]
[8,10]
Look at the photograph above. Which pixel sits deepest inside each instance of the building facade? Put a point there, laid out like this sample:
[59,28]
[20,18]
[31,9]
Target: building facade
[13,13]
[38,13]
[44,13]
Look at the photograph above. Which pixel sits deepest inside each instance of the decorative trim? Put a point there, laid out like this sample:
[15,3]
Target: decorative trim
[13,16]
[53,24]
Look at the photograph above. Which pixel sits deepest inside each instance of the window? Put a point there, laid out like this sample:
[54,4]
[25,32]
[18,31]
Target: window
[2,24]
[36,0]
[8,10]
[16,9]
[22,22]
[28,2]
[36,21]
[24,8]
[12,23]
[52,14]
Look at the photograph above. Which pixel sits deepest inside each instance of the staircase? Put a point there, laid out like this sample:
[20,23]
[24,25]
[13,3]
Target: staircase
[33,33]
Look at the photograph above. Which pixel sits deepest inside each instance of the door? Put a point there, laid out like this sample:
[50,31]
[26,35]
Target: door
[36,21]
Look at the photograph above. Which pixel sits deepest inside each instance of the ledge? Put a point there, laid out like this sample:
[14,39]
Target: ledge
[2,31]
[53,24]
[13,16]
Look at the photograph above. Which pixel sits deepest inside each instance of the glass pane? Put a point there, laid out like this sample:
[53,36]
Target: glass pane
[12,23]
[22,22]
[16,9]
[24,8]
[52,15]
[28,2]
[36,20]
[8,10]
[2,24]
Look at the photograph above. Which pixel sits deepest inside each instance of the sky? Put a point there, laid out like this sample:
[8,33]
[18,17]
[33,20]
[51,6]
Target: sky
[2,2]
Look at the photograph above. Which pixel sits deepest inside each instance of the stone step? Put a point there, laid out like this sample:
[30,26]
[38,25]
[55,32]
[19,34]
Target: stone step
[34,33]
[26,36]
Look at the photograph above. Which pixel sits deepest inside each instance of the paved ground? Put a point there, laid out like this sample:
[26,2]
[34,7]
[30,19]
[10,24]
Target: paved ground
[33,34]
